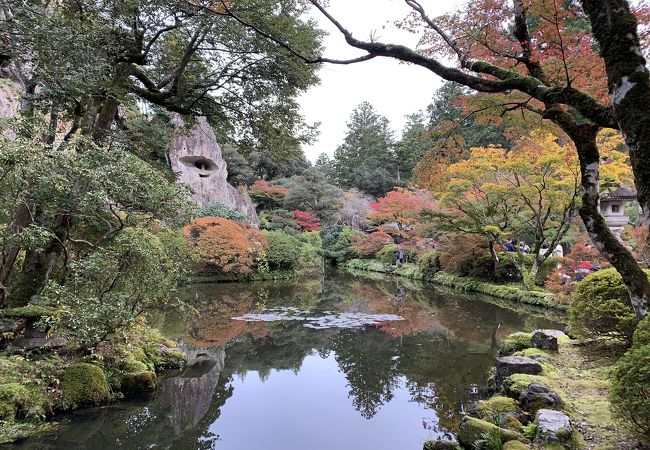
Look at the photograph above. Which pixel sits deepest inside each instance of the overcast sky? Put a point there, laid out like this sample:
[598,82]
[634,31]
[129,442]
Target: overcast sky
[394,89]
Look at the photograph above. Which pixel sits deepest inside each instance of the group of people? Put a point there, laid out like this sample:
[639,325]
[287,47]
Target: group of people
[522,247]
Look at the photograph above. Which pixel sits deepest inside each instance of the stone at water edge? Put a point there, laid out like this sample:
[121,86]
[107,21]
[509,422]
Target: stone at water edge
[440,444]
[552,427]
[538,396]
[508,365]
[546,339]
[472,430]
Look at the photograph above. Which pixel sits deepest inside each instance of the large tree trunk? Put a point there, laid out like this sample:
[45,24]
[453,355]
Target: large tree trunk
[615,28]
[38,265]
[10,252]
[610,247]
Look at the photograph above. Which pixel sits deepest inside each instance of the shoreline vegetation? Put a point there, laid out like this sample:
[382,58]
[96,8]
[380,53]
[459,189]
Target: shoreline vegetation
[464,284]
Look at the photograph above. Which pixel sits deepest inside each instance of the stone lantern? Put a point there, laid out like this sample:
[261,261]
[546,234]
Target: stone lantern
[612,207]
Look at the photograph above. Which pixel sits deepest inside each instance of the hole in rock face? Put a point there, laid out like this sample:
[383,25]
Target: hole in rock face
[204,166]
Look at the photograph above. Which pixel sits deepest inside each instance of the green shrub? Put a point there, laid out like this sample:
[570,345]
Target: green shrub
[83,384]
[218,209]
[630,392]
[283,251]
[600,307]
[429,263]
[483,268]
[387,254]
[642,333]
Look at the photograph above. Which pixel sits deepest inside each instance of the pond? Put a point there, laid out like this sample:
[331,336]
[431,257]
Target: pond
[340,362]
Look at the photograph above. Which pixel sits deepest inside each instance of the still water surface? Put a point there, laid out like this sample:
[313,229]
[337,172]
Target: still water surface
[347,362]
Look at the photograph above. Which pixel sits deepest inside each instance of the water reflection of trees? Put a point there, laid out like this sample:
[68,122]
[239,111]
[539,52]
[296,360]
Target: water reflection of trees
[439,354]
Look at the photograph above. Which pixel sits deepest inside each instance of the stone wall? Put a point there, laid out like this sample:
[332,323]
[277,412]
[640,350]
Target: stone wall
[195,156]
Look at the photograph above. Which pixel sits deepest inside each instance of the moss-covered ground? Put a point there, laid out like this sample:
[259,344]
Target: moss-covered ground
[579,373]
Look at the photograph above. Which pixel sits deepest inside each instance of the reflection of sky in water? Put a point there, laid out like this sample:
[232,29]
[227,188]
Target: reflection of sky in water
[328,319]
[338,365]
[311,409]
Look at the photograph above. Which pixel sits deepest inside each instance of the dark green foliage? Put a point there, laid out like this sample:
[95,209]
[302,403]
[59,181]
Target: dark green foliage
[387,254]
[325,165]
[279,220]
[283,251]
[429,264]
[415,142]
[83,384]
[337,242]
[507,272]
[138,382]
[311,192]
[218,209]
[366,159]
[630,392]
[600,307]
[642,333]
[240,171]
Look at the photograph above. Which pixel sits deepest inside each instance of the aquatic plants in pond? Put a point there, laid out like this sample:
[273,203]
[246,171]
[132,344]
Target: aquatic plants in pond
[328,319]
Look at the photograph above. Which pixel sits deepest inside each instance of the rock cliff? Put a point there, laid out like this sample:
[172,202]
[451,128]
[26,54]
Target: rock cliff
[195,155]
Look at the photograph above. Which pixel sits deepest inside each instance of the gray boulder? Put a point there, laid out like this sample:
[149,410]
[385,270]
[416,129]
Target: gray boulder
[195,156]
[508,365]
[538,396]
[546,339]
[553,427]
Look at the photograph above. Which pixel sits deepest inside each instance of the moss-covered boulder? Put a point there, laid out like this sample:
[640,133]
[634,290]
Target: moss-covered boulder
[164,358]
[131,365]
[515,384]
[515,342]
[515,445]
[138,382]
[473,432]
[18,401]
[501,411]
[82,385]
[440,444]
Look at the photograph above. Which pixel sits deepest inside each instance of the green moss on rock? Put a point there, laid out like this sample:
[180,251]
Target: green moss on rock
[32,312]
[440,445]
[496,405]
[514,445]
[82,385]
[473,430]
[133,366]
[515,342]
[516,383]
[138,382]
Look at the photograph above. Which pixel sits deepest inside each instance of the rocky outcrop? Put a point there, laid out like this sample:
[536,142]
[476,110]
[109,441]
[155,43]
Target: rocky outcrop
[195,155]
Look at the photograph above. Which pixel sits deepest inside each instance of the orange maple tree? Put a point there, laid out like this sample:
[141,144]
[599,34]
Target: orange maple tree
[369,244]
[225,245]
[402,206]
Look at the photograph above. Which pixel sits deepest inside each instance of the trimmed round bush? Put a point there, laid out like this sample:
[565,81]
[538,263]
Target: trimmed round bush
[630,392]
[283,251]
[600,307]
[83,384]
[642,333]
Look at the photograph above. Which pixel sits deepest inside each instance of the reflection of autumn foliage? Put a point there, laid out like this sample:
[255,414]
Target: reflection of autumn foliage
[369,244]
[458,251]
[306,220]
[269,195]
[226,245]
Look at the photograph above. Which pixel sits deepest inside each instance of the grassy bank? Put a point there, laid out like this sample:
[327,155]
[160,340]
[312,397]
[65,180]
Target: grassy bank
[504,291]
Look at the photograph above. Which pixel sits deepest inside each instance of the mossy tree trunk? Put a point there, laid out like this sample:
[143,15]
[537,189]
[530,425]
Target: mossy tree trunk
[636,281]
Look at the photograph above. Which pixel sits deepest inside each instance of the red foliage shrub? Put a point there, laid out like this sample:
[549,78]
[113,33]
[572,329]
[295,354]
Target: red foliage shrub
[225,245]
[369,244]
[416,246]
[582,255]
[306,221]
[458,251]
[269,195]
